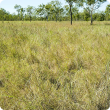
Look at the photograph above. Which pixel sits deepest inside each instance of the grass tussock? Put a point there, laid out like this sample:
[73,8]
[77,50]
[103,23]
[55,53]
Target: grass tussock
[48,65]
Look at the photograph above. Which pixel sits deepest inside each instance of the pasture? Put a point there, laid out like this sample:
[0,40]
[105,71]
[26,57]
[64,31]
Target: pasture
[54,66]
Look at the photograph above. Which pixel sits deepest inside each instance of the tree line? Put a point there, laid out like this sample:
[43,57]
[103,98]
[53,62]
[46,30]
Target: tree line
[54,11]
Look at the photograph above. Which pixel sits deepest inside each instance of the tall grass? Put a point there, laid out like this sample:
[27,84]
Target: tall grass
[48,65]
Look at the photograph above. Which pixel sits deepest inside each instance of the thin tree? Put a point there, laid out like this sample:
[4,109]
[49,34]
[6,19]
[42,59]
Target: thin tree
[48,7]
[107,12]
[22,10]
[56,8]
[30,11]
[90,6]
[70,2]
[18,8]
[40,10]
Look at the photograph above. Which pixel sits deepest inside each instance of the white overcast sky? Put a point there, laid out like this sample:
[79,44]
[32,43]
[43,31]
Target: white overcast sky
[8,5]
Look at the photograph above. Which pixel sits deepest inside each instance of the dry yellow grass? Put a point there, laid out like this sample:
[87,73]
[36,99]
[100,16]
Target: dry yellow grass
[49,65]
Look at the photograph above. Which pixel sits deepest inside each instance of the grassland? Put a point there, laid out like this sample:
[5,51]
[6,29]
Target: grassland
[54,66]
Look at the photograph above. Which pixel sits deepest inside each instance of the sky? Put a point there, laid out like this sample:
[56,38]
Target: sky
[8,5]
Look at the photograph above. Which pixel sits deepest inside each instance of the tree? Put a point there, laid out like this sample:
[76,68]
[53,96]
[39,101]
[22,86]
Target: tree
[77,16]
[40,10]
[30,11]
[66,12]
[14,16]
[100,16]
[90,6]
[48,9]
[107,12]
[56,8]
[22,10]
[70,2]
[61,11]
[18,8]
[86,15]
[74,11]
[2,14]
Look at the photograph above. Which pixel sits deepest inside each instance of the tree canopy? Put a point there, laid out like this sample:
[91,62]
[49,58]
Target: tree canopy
[54,11]
[90,5]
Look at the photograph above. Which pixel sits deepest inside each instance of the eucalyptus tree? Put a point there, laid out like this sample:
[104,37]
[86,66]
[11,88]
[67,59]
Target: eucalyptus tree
[56,8]
[70,2]
[22,10]
[86,15]
[90,6]
[73,10]
[2,14]
[52,14]
[40,10]
[18,8]
[61,13]
[14,16]
[30,10]
[56,11]
[107,12]
[101,16]
[48,10]
[66,11]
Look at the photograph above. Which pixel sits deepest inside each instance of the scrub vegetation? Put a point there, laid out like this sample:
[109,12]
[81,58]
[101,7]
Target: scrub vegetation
[54,66]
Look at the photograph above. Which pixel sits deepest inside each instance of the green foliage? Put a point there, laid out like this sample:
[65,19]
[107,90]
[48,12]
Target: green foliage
[4,15]
[101,16]
[40,10]
[18,8]
[107,12]
[91,6]
[29,10]
[56,8]
[70,2]
[90,2]
[86,15]
[54,11]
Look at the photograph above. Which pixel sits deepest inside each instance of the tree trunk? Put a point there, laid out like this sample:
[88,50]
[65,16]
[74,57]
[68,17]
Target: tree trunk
[47,18]
[56,17]
[71,14]
[18,17]
[30,18]
[91,19]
